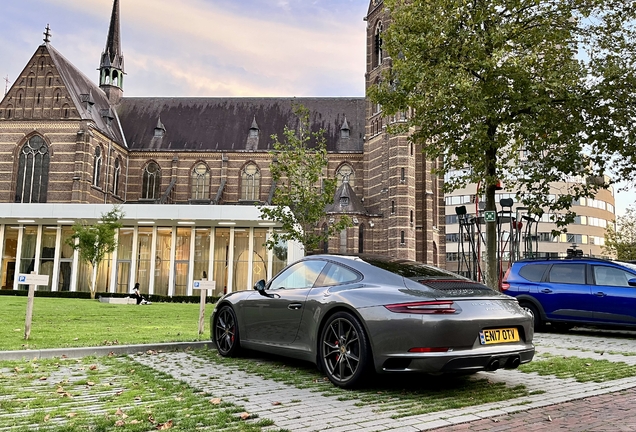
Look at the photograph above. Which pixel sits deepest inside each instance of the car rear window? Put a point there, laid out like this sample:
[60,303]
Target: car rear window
[411,269]
[568,273]
[533,272]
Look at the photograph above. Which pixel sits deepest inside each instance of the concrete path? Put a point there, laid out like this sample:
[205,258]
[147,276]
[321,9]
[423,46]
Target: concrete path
[304,410]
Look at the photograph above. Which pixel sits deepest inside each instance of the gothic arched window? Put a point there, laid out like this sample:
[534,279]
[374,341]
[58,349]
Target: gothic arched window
[377,45]
[200,182]
[33,171]
[97,166]
[116,176]
[151,186]
[345,172]
[250,182]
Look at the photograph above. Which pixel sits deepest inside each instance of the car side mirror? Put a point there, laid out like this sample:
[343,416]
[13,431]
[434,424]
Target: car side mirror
[260,287]
[632,282]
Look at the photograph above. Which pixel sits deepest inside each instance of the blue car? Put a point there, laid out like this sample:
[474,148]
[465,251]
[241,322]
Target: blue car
[573,291]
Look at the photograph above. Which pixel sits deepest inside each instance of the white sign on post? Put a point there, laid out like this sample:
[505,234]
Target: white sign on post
[204,286]
[33,279]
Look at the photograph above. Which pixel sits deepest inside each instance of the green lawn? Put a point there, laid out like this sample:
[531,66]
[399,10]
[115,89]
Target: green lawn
[59,323]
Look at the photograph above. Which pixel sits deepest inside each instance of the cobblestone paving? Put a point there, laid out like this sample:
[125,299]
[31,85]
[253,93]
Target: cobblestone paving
[304,410]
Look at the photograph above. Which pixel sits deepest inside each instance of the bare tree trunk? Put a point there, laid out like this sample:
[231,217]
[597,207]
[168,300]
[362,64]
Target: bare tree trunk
[93,281]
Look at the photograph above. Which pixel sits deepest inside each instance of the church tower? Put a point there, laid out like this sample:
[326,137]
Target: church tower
[398,182]
[111,67]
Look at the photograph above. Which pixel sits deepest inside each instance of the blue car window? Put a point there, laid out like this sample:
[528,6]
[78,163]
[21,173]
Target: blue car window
[611,276]
[567,273]
[533,272]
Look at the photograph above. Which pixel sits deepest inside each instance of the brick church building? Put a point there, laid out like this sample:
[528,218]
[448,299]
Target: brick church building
[188,174]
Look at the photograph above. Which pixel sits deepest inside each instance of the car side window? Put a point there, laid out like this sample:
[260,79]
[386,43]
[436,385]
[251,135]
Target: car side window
[300,275]
[567,273]
[336,275]
[611,276]
[533,272]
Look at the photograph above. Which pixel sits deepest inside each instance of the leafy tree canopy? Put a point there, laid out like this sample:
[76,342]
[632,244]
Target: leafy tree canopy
[94,242]
[525,91]
[620,241]
[302,191]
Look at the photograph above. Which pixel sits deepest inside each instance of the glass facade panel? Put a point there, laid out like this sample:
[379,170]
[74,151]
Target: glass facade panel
[182,261]
[162,261]
[201,252]
[144,250]
[259,257]
[66,261]
[124,260]
[27,255]
[9,255]
[241,259]
[47,255]
[279,259]
[221,251]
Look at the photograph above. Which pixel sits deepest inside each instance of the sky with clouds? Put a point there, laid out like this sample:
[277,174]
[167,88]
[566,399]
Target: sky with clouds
[206,47]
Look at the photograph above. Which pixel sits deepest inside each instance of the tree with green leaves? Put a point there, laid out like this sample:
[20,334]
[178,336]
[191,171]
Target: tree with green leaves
[94,242]
[302,191]
[529,92]
[620,240]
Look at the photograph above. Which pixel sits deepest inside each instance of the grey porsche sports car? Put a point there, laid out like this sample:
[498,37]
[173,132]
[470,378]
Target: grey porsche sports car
[352,315]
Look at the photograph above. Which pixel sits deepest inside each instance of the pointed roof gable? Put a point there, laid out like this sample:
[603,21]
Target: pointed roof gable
[77,85]
[346,201]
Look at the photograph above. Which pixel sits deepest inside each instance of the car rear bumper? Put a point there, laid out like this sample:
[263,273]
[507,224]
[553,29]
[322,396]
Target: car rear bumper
[456,362]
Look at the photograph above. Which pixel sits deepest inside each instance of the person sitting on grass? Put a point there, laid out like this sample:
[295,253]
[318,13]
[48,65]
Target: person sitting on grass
[137,295]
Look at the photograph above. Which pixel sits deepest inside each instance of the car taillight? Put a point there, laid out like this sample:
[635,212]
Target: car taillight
[427,307]
[504,283]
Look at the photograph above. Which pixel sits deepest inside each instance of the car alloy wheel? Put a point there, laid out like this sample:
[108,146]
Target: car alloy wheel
[532,309]
[343,350]
[226,335]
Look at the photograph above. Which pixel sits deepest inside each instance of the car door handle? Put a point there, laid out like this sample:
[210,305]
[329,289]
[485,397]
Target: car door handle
[294,306]
[546,291]
[600,294]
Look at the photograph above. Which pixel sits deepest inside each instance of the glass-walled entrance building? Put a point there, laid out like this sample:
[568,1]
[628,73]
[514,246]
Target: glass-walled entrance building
[164,252]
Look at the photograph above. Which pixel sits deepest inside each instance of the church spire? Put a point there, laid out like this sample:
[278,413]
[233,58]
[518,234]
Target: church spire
[111,68]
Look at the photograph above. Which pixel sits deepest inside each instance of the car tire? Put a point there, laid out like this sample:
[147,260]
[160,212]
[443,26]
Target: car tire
[226,332]
[344,350]
[538,322]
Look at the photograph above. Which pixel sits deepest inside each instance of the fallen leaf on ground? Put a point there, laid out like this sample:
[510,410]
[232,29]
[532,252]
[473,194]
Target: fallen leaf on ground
[43,378]
[71,415]
[90,383]
[92,367]
[276,403]
[47,417]
[549,418]
[120,423]
[164,426]
[245,415]
[119,393]
[215,401]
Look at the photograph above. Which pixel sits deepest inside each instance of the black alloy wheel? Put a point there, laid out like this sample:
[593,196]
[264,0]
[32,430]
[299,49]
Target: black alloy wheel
[226,334]
[538,322]
[344,350]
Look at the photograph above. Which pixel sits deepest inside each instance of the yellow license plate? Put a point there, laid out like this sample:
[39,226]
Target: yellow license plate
[495,336]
